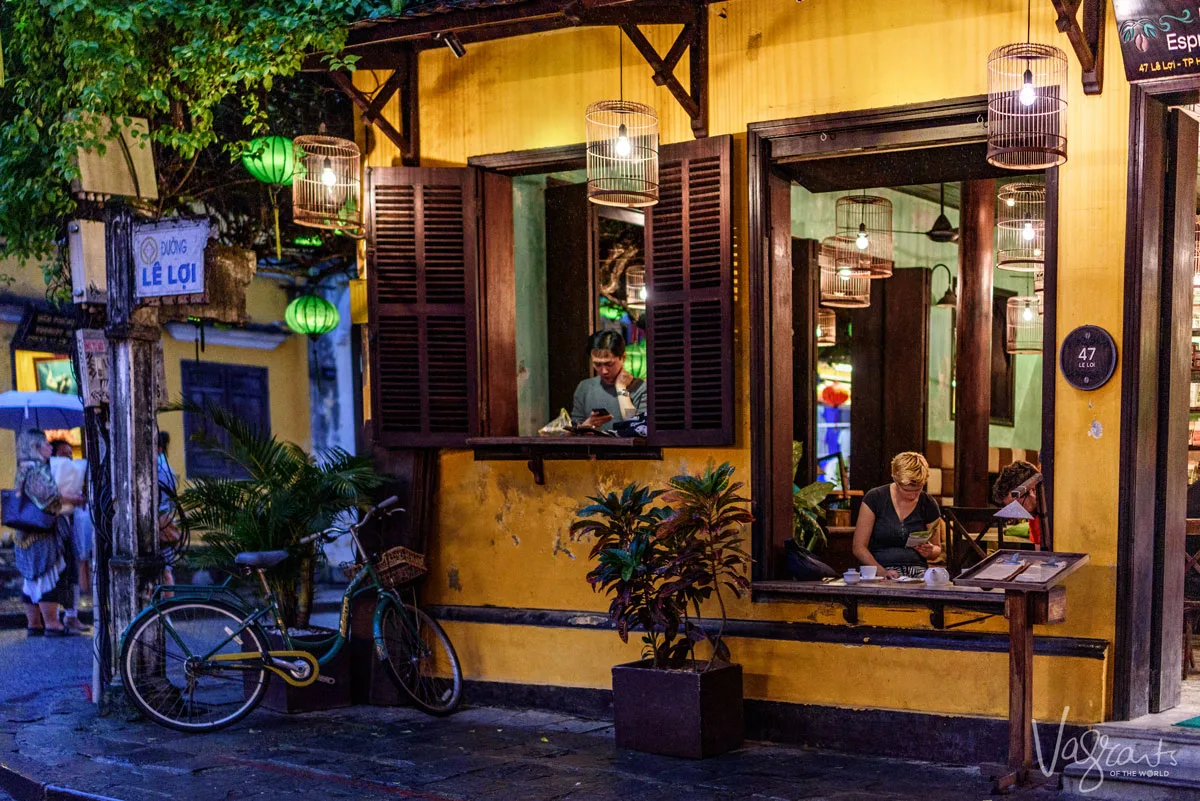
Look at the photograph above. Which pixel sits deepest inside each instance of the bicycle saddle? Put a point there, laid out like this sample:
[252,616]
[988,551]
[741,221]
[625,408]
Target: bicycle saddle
[260,558]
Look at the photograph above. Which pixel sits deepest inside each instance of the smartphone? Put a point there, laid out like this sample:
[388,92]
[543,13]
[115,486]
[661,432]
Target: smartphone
[602,412]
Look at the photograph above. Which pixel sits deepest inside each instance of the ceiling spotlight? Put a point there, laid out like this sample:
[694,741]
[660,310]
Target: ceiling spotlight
[453,42]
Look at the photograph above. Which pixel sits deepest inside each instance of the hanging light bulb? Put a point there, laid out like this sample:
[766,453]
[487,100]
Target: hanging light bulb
[1027,232]
[1027,314]
[623,148]
[1011,202]
[862,241]
[328,176]
[1028,94]
[643,294]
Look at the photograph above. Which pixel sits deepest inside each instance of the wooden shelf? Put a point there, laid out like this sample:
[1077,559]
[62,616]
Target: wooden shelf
[534,451]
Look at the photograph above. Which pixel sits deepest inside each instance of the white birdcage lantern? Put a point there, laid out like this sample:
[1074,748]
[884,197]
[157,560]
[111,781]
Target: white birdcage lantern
[866,221]
[1021,227]
[1027,106]
[622,154]
[826,328]
[327,184]
[845,274]
[1025,315]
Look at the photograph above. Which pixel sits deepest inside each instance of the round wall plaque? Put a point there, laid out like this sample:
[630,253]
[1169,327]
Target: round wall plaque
[1088,357]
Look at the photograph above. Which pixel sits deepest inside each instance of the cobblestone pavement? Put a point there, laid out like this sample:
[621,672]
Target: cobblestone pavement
[50,732]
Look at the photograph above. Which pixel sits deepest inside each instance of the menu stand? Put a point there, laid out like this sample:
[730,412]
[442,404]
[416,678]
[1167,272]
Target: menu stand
[1032,595]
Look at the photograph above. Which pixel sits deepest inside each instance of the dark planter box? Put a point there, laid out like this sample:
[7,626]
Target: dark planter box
[369,679]
[331,690]
[678,712]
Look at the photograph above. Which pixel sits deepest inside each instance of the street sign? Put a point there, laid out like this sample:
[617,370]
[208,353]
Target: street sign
[1088,357]
[169,258]
[1159,38]
[91,346]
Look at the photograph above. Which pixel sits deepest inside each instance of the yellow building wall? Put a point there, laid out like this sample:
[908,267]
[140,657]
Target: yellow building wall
[501,540]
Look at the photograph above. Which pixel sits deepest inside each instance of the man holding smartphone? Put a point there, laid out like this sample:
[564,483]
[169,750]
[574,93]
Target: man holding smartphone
[612,394]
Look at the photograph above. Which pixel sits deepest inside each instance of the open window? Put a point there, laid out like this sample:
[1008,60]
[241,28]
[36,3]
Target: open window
[856,382]
[486,283]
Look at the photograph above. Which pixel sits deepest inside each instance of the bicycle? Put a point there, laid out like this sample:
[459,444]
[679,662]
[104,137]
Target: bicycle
[197,658]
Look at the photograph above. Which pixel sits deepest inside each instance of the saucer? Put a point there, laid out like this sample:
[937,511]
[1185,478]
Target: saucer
[876,578]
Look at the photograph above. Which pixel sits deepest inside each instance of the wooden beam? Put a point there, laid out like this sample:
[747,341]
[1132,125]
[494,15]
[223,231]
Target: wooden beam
[664,76]
[342,81]
[1087,39]
[698,72]
[410,109]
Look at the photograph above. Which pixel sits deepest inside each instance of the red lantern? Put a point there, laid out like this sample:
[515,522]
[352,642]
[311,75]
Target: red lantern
[834,395]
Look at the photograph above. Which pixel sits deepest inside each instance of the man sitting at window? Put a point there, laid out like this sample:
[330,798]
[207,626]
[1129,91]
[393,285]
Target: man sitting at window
[612,394]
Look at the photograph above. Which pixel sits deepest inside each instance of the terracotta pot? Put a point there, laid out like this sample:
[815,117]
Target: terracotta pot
[678,712]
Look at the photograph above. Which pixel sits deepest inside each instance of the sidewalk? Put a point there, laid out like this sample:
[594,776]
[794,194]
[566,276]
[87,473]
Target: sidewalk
[51,734]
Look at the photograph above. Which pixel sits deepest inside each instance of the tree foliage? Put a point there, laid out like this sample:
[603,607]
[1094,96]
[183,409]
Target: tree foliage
[187,67]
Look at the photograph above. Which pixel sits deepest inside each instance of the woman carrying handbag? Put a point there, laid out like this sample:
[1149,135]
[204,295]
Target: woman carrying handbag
[32,511]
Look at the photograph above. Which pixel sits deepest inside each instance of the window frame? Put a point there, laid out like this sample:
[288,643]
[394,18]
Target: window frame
[191,449]
[959,121]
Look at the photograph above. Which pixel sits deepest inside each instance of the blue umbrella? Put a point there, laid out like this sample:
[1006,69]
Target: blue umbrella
[44,410]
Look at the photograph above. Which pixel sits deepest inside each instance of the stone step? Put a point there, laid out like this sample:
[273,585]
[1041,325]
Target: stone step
[1120,761]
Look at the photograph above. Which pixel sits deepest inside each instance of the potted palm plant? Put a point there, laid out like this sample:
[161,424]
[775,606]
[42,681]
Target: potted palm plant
[287,494]
[661,554]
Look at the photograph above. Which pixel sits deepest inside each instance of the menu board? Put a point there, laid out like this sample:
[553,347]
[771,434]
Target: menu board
[1159,38]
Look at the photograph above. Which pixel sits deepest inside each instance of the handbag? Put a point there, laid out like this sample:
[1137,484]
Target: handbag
[803,565]
[19,512]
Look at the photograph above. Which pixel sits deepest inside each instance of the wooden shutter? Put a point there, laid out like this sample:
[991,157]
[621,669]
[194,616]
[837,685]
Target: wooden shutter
[421,266]
[689,277]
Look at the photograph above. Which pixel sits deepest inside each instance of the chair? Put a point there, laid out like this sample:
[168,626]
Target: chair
[965,527]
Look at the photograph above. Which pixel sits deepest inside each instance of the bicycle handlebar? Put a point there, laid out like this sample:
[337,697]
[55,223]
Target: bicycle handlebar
[332,533]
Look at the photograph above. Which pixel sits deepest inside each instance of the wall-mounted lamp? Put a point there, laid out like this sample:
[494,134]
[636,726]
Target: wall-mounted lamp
[453,42]
[950,299]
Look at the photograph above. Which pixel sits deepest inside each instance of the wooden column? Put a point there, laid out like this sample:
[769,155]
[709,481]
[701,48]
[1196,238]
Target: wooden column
[134,566]
[1020,685]
[973,396]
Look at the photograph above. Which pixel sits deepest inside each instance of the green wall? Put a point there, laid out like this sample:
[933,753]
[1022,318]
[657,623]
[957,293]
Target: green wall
[529,248]
[813,218]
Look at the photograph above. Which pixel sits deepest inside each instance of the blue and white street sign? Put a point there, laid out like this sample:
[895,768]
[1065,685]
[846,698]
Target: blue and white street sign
[169,257]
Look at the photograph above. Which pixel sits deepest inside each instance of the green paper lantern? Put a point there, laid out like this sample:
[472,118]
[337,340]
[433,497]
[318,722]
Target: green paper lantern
[312,316]
[635,359]
[270,159]
[313,241]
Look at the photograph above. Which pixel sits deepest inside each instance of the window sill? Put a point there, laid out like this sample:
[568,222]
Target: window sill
[536,450]
[850,596]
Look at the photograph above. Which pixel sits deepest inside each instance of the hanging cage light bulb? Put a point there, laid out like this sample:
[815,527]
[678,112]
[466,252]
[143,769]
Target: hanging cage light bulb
[327,185]
[623,148]
[1023,331]
[864,222]
[1028,93]
[622,151]
[328,176]
[1021,226]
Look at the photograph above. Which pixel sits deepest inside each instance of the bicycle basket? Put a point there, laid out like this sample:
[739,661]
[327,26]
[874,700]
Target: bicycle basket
[398,566]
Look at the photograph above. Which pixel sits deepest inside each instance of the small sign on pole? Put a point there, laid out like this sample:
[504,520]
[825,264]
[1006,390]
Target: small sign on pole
[169,260]
[92,348]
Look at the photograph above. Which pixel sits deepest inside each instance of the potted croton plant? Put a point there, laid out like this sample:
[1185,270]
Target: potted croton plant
[661,554]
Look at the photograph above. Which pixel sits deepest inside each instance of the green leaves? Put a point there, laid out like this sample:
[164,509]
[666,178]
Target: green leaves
[661,563]
[69,62]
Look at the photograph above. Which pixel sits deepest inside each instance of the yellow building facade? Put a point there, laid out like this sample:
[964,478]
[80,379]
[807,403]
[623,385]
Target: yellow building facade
[499,540]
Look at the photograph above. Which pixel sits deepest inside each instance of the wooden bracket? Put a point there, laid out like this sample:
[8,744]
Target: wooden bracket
[694,39]
[403,80]
[1086,39]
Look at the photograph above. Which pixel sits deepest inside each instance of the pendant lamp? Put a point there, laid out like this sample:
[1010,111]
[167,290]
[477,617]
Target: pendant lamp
[845,281]
[1024,325]
[1027,105]
[327,187]
[942,231]
[635,288]
[311,315]
[271,160]
[1021,227]
[866,221]
[622,149]
[826,328]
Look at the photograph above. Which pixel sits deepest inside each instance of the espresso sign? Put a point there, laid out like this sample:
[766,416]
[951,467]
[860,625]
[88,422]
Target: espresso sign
[1088,357]
[1159,38]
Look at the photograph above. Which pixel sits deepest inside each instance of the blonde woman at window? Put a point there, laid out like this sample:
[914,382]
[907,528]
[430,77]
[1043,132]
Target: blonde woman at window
[891,513]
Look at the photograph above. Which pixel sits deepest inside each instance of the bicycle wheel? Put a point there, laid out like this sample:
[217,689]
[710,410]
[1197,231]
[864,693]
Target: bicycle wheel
[165,674]
[419,657]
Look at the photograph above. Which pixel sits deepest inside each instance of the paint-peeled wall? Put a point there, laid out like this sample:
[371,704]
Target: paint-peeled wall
[500,540]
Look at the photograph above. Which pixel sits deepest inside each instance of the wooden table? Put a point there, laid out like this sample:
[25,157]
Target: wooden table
[884,593]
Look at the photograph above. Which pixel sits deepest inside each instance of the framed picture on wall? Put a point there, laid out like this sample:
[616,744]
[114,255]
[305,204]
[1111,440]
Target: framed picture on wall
[55,374]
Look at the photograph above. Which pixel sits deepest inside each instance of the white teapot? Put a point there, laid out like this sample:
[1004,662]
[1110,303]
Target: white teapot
[937,576]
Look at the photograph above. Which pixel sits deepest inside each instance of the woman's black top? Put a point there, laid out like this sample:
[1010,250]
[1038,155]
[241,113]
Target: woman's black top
[890,533]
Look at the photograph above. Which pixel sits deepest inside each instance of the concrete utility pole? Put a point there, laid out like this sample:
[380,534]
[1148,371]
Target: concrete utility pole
[135,565]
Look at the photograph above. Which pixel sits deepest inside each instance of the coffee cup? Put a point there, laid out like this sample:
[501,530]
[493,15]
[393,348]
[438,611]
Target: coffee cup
[868,571]
[935,576]
[851,576]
